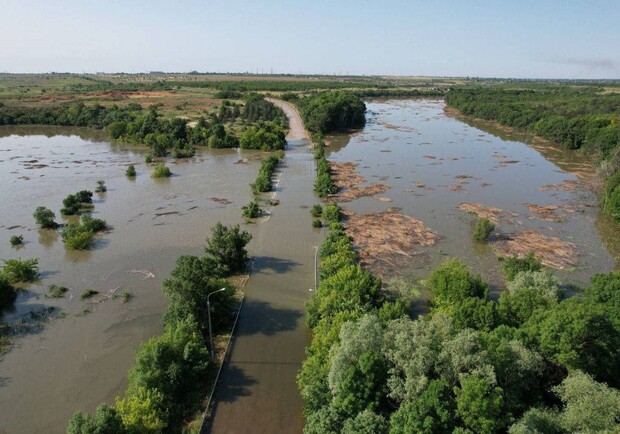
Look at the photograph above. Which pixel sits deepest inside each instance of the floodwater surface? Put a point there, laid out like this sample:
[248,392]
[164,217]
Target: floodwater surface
[433,163]
[78,356]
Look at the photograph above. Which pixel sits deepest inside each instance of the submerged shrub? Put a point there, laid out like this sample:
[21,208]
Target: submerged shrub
[101,188]
[17,240]
[332,213]
[131,171]
[57,291]
[44,217]
[7,292]
[317,223]
[21,270]
[252,210]
[483,229]
[88,293]
[316,211]
[161,171]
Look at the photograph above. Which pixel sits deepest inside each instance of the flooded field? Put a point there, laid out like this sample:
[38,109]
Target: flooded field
[78,356]
[419,169]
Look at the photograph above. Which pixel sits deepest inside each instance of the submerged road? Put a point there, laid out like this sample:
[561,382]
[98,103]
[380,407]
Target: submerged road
[257,392]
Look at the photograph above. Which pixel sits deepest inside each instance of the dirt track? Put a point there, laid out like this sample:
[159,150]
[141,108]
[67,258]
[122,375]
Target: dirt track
[296,125]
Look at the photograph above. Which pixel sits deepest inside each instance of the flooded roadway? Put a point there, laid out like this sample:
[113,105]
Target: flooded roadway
[257,390]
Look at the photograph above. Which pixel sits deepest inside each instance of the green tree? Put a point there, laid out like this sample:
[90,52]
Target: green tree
[227,247]
[141,412]
[45,217]
[528,292]
[451,282]
[365,422]
[105,421]
[483,229]
[479,405]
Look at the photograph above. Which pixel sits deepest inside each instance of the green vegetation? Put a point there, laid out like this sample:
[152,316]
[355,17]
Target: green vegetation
[317,223]
[101,188]
[131,171]
[576,117]
[79,236]
[168,381]
[57,291]
[227,248]
[17,240]
[20,270]
[323,184]
[45,218]
[483,229]
[332,111]
[73,203]
[88,293]
[332,213]
[160,171]
[263,182]
[265,136]
[316,210]
[257,109]
[514,265]
[252,210]
[533,361]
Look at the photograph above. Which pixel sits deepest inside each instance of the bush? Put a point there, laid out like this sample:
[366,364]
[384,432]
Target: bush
[21,270]
[317,223]
[483,229]
[101,188]
[332,111]
[263,183]
[316,211]
[131,171]
[71,205]
[84,196]
[227,248]
[89,223]
[88,293]
[105,421]
[160,171]
[332,213]
[17,240]
[148,158]
[77,237]
[514,265]
[57,291]
[252,210]
[266,136]
[44,217]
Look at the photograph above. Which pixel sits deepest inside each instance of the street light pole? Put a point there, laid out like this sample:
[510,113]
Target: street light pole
[209,316]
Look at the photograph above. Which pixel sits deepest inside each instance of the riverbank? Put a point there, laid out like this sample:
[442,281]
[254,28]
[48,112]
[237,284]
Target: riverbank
[258,391]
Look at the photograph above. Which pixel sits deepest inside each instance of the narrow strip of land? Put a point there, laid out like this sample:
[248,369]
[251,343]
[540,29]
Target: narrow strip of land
[296,126]
[257,392]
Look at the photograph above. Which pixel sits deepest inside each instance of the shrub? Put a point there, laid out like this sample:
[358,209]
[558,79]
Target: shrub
[44,217]
[17,240]
[148,158]
[57,291]
[71,205]
[84,196]
[160,171]
[483,229]
[317,223]
[514,265]
[88,293]
[332,213]
[21,270]
[101,188]
[89,223]
[105,421]
[183,152]
[266,136]
[252,210]
[316,211]
[77,236]
[131,171]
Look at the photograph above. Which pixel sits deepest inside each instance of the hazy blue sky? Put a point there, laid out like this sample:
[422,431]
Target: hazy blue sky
[494,38]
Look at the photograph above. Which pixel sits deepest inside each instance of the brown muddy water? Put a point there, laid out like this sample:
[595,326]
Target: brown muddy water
[434,162]
[76,361]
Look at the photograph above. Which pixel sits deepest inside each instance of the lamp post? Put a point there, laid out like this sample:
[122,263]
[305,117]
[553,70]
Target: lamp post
[209,315]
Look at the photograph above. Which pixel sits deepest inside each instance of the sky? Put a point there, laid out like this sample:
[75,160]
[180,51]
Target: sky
[474,38]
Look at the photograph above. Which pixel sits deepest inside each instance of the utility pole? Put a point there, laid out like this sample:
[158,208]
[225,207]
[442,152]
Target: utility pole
[209,315]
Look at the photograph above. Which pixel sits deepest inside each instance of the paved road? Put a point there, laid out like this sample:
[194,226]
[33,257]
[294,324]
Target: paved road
[257,392]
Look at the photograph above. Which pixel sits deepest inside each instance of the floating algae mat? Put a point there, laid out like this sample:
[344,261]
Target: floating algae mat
[439,173]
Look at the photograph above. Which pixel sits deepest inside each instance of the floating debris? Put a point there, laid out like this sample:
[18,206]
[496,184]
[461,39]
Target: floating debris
[220,200]
[348,181]
[552,251]
[146,273]
[496,215]
[568,185]
[388,237]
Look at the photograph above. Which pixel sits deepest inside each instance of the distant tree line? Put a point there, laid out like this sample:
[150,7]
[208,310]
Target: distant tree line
[534,361]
